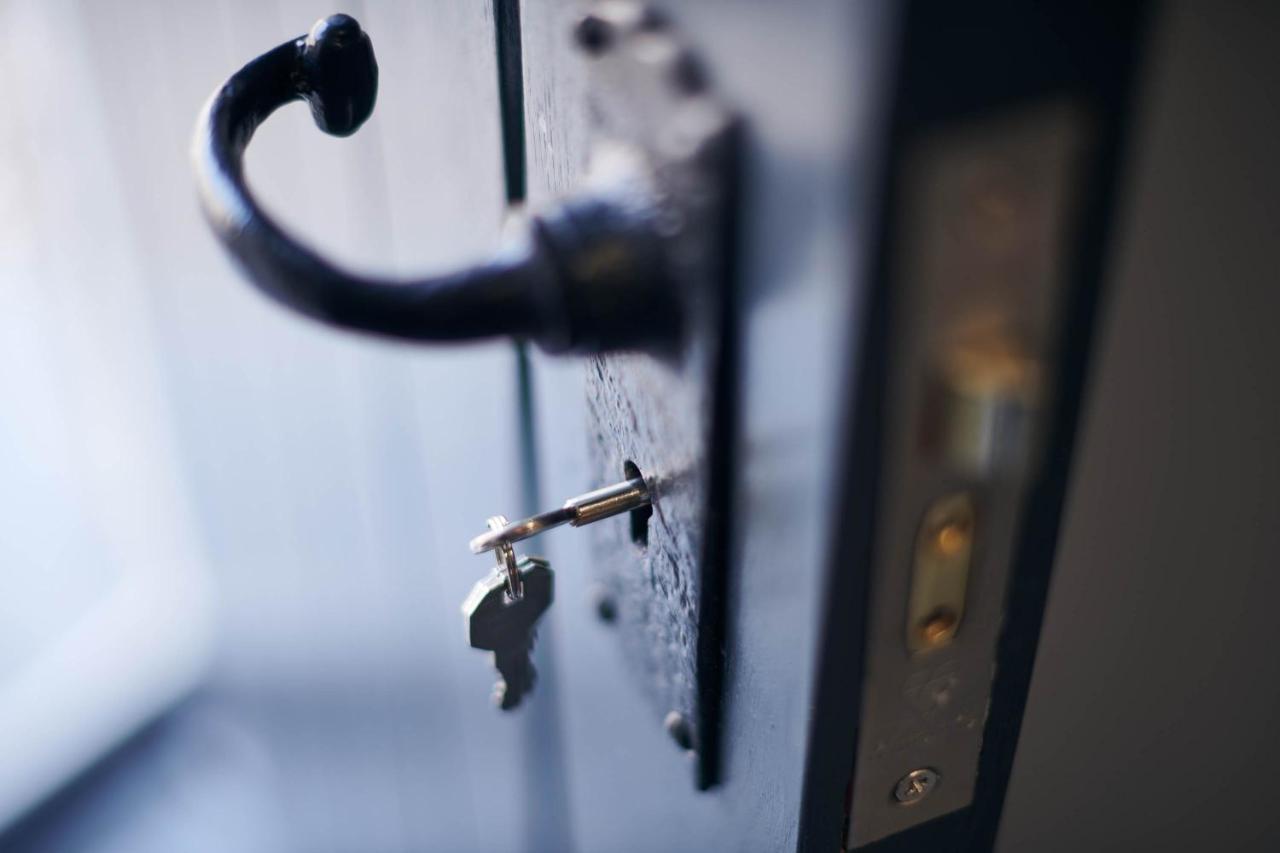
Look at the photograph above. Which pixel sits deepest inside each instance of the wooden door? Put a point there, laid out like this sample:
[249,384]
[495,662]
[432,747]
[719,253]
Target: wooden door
[857,118]
[812,94]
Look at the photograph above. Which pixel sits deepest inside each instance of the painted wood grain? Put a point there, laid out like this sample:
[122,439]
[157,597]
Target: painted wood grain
[805,78]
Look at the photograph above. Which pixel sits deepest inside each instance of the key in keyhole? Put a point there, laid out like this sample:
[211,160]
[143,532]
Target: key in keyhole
[631,494]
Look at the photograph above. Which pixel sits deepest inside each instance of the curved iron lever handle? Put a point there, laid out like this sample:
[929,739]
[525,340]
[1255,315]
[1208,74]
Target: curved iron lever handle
[587,277]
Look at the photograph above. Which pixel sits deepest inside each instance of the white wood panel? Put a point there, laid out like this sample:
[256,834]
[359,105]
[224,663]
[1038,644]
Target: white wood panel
[104,612]
[335,480]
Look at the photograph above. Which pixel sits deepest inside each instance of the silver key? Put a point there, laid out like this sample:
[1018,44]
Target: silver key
[504,624]
[585,509]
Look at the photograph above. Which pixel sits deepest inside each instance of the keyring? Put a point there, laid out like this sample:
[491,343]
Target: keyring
[506,557]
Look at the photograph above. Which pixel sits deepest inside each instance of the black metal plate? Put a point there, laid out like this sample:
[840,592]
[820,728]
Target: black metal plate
[669,415]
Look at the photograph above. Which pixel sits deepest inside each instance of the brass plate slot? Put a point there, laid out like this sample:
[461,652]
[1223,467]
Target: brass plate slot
[940,575]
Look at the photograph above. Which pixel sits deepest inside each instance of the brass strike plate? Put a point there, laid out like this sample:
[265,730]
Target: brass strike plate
[977,268]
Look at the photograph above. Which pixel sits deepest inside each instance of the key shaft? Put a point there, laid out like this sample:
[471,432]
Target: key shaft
[584,509]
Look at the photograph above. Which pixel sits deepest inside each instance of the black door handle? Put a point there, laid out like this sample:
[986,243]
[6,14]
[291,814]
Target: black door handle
[595,273]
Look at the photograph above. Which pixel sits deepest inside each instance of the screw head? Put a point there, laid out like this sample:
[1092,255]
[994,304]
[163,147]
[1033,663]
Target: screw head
[652,20]
[605,606]
[915,786]
[678,727]
[688,74]
[594,34]
[953,537]
[938,627]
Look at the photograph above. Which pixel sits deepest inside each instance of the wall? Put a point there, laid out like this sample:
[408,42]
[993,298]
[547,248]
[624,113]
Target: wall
[1150,723]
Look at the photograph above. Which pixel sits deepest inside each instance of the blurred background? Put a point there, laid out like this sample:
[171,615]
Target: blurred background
[280,513]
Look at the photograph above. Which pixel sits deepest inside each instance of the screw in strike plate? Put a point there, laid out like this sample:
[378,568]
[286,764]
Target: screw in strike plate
[915,786]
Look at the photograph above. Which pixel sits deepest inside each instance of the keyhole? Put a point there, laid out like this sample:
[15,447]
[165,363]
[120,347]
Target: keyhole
[639,517]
